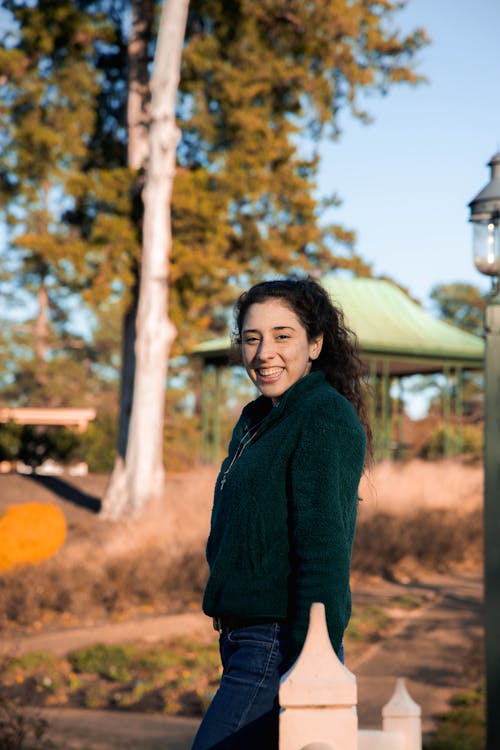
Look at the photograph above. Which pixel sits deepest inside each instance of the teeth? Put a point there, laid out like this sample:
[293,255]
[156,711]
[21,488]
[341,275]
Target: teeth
[270,372]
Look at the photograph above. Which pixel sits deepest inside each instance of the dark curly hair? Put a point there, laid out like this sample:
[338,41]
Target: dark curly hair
[339,358]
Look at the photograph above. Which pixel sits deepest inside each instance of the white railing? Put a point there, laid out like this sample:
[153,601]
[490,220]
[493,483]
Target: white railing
[318,699]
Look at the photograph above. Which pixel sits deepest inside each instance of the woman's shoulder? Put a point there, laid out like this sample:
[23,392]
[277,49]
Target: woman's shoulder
[327,407]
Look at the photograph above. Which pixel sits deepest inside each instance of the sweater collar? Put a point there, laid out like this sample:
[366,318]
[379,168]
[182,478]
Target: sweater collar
[263,407]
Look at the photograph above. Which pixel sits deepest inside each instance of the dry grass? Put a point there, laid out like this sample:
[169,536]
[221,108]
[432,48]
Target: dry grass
[414,516]
[407,486]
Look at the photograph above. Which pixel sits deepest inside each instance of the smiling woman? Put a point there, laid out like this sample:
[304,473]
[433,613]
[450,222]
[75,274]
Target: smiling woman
[275,348]
[285,503]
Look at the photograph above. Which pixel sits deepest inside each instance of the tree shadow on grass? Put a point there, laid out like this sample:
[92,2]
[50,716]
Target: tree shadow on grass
[68,491]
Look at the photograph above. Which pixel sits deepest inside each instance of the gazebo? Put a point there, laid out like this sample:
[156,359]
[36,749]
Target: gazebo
[397,338]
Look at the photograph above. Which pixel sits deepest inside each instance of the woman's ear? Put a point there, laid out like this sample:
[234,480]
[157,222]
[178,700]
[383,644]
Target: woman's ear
[315,347]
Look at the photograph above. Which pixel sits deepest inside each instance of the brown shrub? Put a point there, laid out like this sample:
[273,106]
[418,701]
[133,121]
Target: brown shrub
[19,730]
[413,515]
[150,579]
[435,539]
[146,580]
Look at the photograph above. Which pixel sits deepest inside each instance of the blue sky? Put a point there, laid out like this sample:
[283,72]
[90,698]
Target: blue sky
[406,179]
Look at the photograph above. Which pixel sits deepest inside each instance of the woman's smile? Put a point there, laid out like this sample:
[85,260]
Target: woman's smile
[275,348]
[270,373]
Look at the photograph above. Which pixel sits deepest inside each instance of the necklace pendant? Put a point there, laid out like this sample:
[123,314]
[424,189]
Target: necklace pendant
[243,444]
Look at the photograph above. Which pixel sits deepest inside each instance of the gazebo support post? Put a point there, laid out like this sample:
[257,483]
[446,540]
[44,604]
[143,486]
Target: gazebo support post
[400,423]
[216,446]
[446,412]
[372,395]
[386,410]
[459,408]
[205,415]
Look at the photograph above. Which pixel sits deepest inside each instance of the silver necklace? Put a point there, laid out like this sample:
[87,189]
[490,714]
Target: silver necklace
[242,445]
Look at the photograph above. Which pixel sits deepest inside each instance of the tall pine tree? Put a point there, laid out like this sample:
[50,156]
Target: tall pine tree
[50,86]
[259,81]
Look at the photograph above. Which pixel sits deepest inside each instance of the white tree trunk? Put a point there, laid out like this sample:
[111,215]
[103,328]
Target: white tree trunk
[138,120]
[141,479]
[138,114]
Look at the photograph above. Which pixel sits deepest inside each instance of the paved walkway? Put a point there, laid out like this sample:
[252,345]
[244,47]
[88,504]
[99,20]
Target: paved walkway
[429,647]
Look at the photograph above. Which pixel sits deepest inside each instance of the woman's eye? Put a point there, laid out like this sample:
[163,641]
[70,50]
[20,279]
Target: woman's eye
[283,336]
[251,340]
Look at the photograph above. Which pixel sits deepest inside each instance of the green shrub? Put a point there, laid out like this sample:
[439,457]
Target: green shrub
[111,662]
[34,444]
[10,441]
[33,661]
[97,445]
[367,623]
[406,601]
[465,440]
[37,443]
[462,728]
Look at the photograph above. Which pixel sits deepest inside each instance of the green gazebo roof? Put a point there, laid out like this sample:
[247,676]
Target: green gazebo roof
[394,332]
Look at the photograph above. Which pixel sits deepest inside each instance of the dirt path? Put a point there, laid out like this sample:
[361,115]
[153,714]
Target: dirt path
[429,647]
[148,629]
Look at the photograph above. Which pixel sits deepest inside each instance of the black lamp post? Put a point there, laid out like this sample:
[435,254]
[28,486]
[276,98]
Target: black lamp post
[485,218]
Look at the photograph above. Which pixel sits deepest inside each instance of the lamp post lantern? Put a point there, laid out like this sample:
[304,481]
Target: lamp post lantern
[485,219]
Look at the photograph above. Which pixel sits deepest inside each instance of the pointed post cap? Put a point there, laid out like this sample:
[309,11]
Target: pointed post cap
[318,678]
[401,704]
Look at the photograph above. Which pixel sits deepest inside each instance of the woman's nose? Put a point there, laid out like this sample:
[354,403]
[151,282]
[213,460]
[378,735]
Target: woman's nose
[266,349]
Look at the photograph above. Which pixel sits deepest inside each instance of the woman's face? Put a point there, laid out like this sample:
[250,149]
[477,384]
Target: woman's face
[275,348]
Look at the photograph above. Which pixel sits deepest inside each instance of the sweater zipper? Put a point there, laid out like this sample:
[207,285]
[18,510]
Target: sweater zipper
[245,441]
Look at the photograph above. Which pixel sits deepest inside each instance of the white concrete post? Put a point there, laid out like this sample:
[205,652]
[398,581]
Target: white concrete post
[402,714]
[376,739]
[318,695]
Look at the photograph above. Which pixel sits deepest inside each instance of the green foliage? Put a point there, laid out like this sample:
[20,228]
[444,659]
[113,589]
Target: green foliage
[406,602]
[462,305]
[10,441]
[255,79]
[97,444]
[462,728]
[50,62]
[178,677]
[466,440]
[366,624]
[47,116]
[261,83]
[33,445]
[33,661]
[111,662]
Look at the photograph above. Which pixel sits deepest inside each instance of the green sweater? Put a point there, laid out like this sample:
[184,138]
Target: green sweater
[284,510]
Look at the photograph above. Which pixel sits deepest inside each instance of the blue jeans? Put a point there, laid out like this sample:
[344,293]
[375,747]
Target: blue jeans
[244,712]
